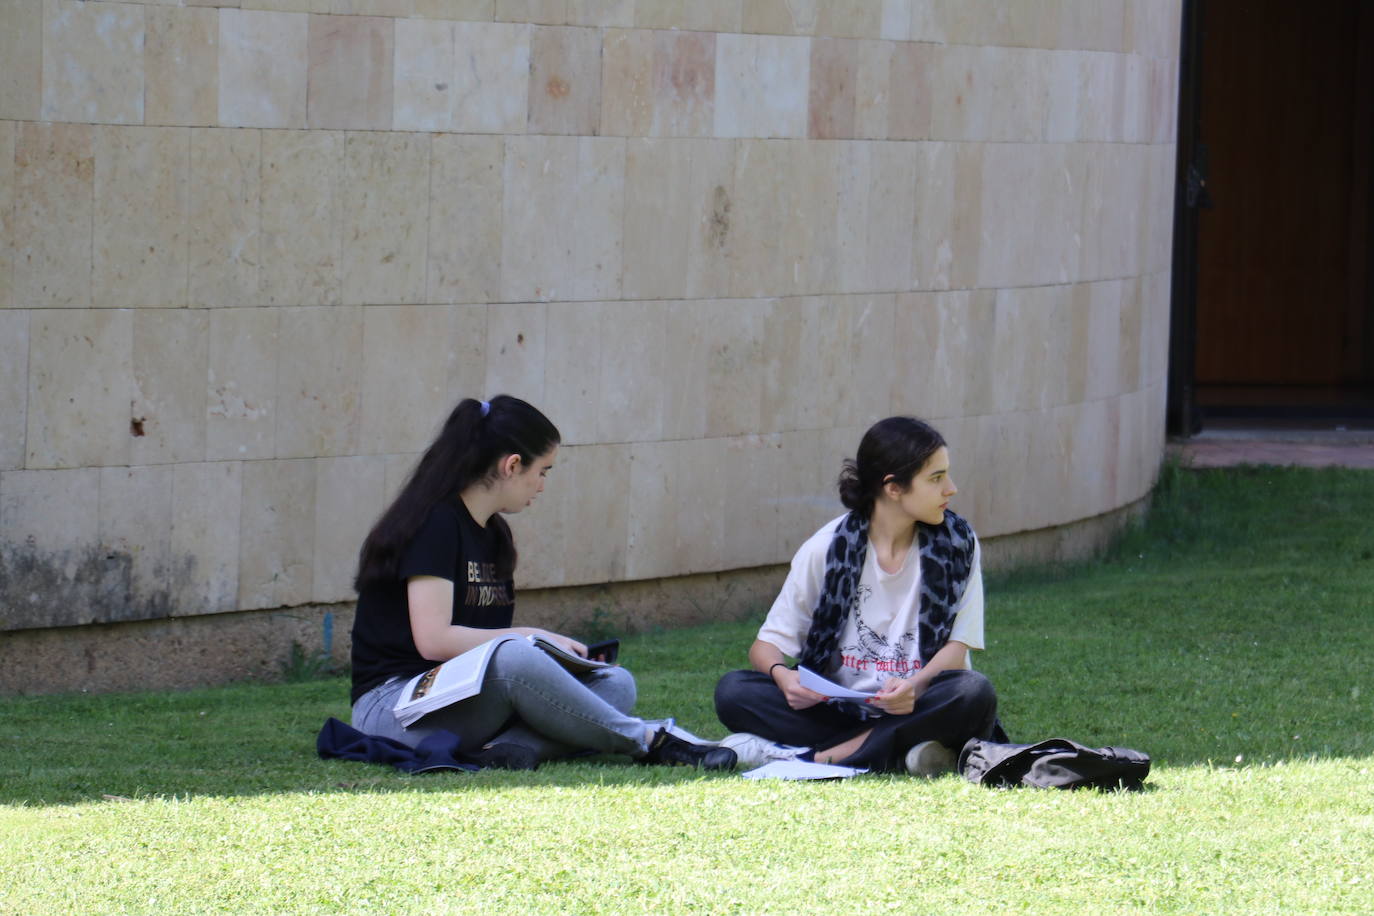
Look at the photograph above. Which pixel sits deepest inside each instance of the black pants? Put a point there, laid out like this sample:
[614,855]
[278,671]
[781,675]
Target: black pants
[958,705]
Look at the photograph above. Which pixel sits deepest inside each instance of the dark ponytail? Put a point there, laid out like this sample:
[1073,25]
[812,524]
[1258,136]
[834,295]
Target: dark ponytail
[474,438]
[897,447]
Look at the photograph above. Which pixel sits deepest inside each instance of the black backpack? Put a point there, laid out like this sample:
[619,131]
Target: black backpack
[1054,764]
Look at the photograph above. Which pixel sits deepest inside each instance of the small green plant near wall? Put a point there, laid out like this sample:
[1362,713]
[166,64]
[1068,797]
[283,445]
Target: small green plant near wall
[301,666]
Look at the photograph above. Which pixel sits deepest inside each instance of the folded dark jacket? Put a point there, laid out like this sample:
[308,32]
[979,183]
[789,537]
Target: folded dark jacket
[439,751]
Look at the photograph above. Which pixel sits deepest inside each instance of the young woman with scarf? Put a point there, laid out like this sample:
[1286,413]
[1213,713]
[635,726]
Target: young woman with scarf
[886,599]
[435,579]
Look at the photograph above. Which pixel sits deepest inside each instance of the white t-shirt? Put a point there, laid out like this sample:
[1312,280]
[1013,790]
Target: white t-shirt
[881,639]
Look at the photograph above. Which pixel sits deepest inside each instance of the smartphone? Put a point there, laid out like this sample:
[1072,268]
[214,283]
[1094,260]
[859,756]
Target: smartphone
[604,651]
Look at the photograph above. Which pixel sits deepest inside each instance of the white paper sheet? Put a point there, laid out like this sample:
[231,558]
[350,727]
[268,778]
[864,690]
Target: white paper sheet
[801,769]
[813,681]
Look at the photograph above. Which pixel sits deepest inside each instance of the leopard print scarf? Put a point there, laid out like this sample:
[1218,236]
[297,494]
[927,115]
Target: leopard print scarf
[946,557]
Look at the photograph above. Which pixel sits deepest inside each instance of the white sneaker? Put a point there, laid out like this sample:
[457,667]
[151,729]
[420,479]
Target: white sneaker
[930,759]
[754,751]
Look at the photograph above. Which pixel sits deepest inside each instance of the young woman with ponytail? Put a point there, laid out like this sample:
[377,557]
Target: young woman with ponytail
[435,579]
[886,599]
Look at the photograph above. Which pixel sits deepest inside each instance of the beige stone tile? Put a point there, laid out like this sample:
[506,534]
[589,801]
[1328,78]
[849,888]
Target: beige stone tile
[875,216]
[276,534]
[572,369]
[14,370]
[388,8]
[140,252]
[48,523]
[912,90]
[756,241]
[398,470]
[787,380]
[263,67]
[302,222]
[833,86]
[684,84]
[1103,377]
[689,15]
[1033,184]
[935,353]
[543,12]
[686,356]
[806,498]
[350,74]
[318,379]
[1154,329]
[491,79]
[423,76]
[721,343]
[54,180]
[873,88]
[464,199]
[1098,77]
[181,60]
[288,6]
[80,378]
[699,507]
[516,333]
[21,48]
[711,219]
[134,533]
[612,13]
[749,536]
[92,62]
[1065,83]
[598,478]
[479,10]
[565,81]
[856,356]
[1002,93]
[895,21]
[627,83]
[171,349]
[348,501]
[927,20]
[8,135]
[658,84]
[386,217]
[1092,26]
[410,358]
[224,241]
[1025,354]
[633,341]
[241,386]
[1132,342]
[734,330]
[204,544]
[761,86]
[563,212]
[810,238]
[781,17]
[658,223]
[651,544]
[849,18]
[588,491]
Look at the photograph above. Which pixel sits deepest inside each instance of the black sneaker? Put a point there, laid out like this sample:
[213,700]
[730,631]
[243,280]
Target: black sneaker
[668,749]
[504,755]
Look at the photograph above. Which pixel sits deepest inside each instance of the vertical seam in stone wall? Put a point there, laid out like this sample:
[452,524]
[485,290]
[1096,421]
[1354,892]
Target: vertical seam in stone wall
[425,297]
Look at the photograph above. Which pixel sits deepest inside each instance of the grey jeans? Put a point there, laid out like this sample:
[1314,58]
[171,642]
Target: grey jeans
[527,698]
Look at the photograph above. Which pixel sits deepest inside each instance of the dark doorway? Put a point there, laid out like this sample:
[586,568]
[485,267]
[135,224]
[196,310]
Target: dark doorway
[1273,314]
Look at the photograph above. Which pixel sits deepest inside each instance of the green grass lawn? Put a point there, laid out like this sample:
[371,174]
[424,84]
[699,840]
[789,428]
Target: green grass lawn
[1230,638]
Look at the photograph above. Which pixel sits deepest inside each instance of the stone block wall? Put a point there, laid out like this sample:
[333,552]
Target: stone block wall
[251,251]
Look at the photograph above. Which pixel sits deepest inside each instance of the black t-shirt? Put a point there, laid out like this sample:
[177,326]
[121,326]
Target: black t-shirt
[449,545]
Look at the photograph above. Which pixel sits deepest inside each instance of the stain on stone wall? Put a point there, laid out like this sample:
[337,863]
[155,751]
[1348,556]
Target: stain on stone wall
[83,586]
